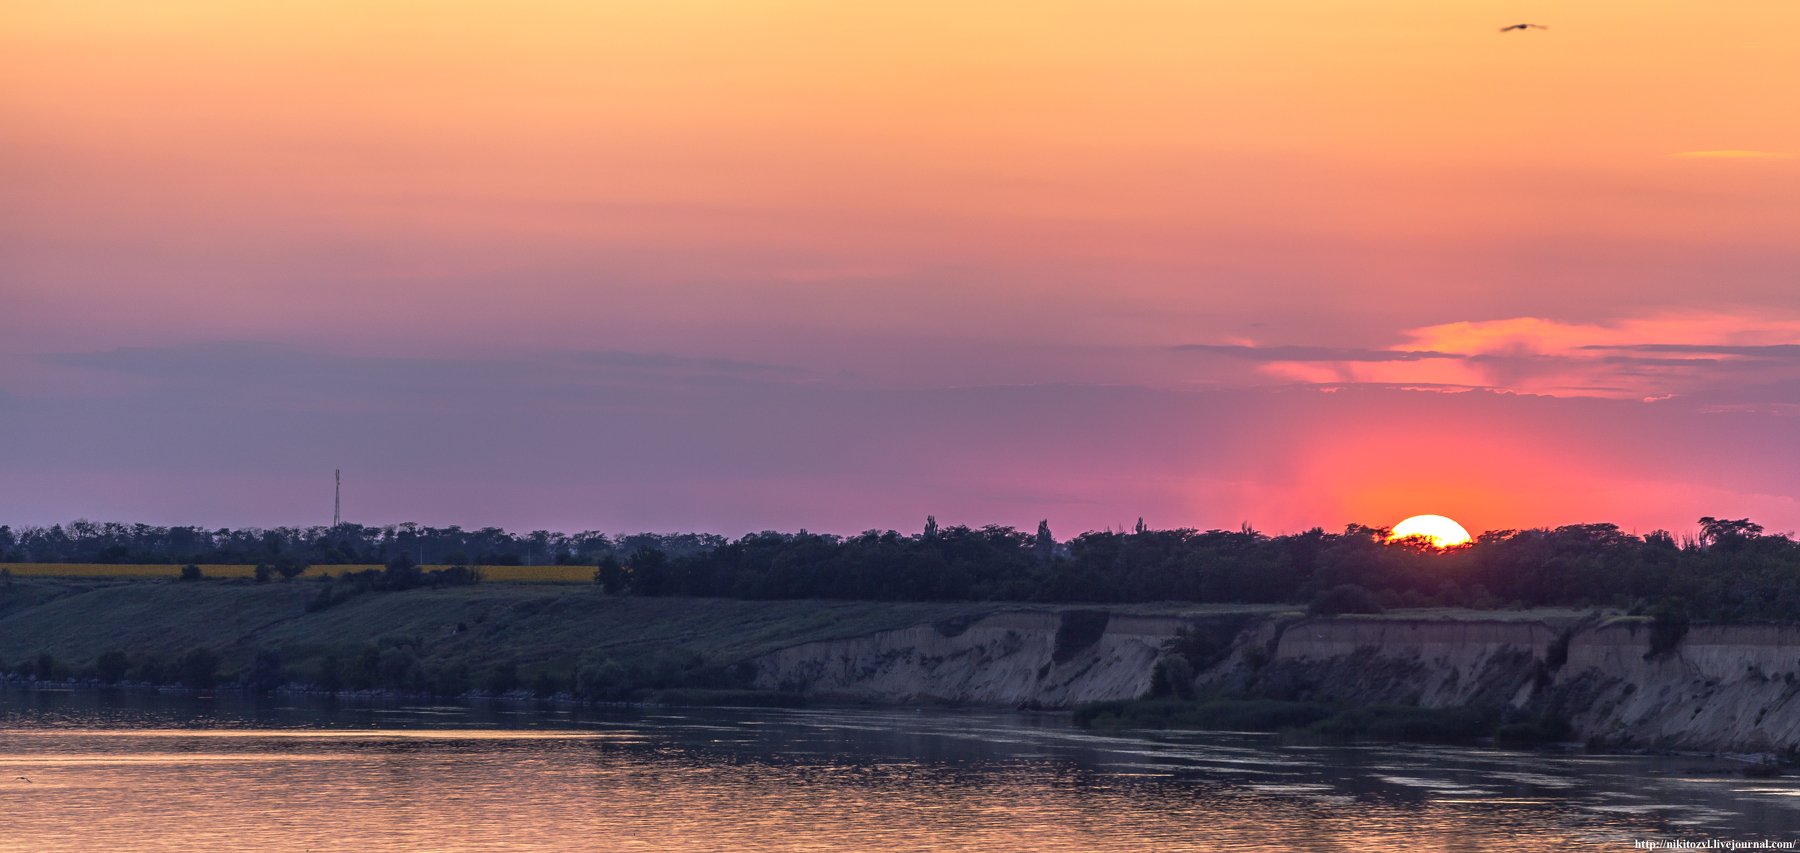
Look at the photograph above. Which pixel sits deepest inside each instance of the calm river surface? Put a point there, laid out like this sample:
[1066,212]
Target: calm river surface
[180,773]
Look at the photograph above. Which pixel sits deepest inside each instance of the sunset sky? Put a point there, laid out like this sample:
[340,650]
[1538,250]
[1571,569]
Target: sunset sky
[738,265]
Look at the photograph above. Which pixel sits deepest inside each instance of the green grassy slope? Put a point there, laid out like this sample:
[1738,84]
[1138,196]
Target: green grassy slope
[549,626]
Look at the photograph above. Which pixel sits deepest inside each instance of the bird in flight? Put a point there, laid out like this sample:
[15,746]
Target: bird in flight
[1524,27]
[27,781]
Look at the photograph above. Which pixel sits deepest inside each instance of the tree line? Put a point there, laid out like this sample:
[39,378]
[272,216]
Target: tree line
[1730,569]
[344,544]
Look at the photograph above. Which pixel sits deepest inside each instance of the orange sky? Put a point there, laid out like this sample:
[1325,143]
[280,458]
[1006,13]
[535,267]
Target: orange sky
[917,198]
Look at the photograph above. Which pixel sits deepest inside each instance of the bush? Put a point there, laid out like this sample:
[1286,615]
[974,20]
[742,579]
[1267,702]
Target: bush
[1077,631]
[671,668]
[191,572]
[330,596]
[1558,652]
[610,575]
[1172,677]
[1209,643]
[454,576]
[605,680]
[1343,598]
[401,574]
[1668,625]
[366,673]
[266,673]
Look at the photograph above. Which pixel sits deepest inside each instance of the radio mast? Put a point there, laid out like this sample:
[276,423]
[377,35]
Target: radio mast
[337,497]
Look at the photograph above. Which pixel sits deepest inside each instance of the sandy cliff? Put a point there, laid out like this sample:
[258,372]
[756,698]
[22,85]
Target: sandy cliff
[1009,658]
[1721,688]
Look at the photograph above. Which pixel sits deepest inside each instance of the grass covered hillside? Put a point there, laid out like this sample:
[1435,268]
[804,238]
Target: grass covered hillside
[443,640]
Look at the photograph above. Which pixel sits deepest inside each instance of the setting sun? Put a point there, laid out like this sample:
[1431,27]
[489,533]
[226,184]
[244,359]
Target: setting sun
[1442,532]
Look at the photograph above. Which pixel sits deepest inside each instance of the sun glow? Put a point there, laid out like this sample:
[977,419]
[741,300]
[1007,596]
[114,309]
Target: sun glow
[1442,532]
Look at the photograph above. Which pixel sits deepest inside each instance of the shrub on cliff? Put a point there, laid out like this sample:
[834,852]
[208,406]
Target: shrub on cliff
[604,680]
[266,672]
[1668,624]
[1078,631]
[1172,677]
[1343,598]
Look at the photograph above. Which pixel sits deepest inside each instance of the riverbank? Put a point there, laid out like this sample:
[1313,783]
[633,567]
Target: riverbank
[1615,682]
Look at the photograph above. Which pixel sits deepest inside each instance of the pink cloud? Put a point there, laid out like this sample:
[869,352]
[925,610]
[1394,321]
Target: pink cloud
[1646,357]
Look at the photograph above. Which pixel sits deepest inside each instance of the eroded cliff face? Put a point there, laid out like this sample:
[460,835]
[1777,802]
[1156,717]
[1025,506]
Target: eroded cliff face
[1430,663]
[1721,688]
[1019,658]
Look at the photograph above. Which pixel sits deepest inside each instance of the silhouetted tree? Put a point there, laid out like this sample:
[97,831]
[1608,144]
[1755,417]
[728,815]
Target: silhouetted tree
[266,673]
[1727,534]
[289,567]
[365,674]
[652,574]
[610,575]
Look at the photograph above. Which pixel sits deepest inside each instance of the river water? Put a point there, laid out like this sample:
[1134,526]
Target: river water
[144,772]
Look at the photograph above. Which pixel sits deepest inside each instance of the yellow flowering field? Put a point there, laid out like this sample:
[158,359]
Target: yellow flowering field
[500,574]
